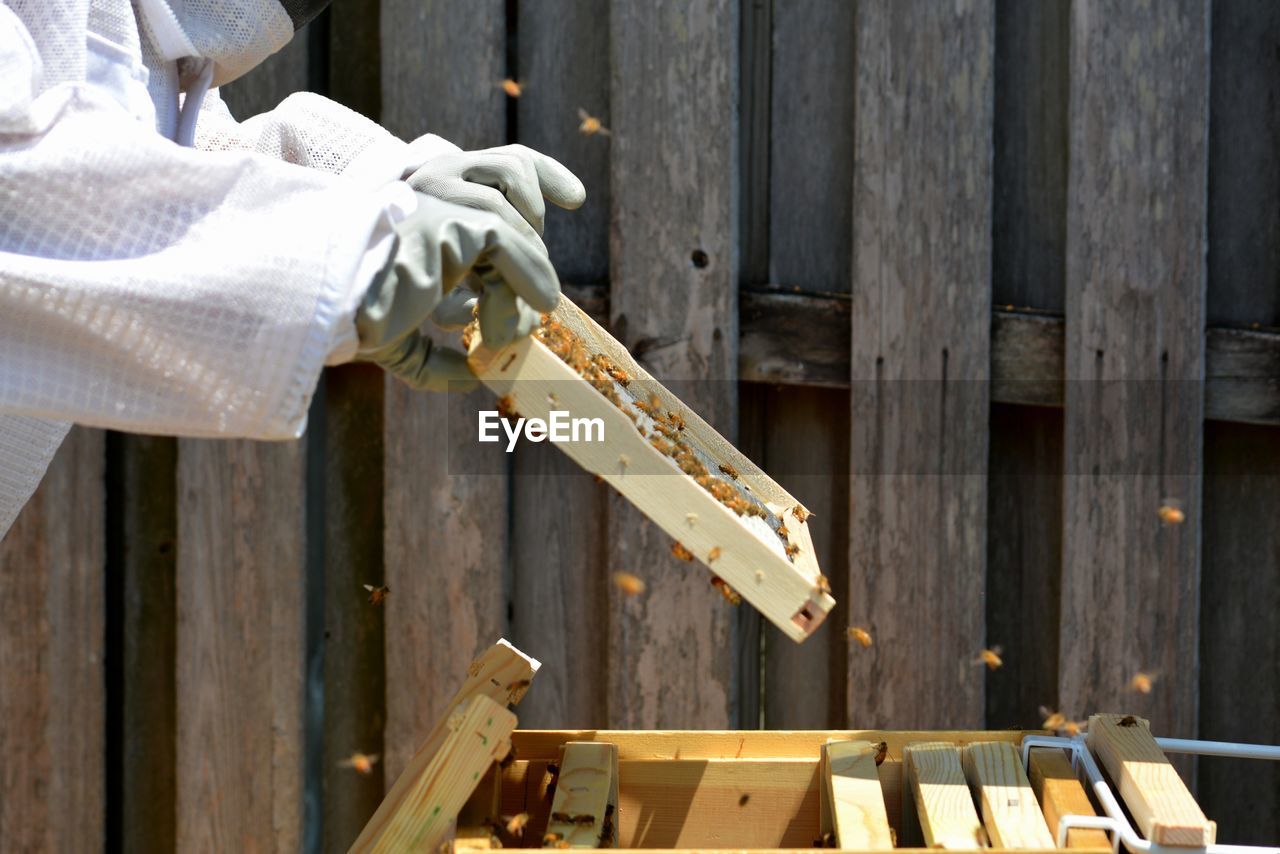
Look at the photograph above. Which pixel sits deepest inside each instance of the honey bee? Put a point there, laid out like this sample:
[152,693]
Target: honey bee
[361,763]
[468,334]
[783,532]
[675,419]
[1074,728]
[730,595]
[861,635]
[590,125]
[507,407]
[1128,721]
[515,824]
[513,88]
[882,752]
[729,470]
[561,818]
[714,554]
[1170,512]
[553,839]
[660,444]
[377,595]
[991,658]
[822,585]
[681,552]
[1142,682]
[792,550]
[1052,720]
[800,513]
[629,584]
[584,819]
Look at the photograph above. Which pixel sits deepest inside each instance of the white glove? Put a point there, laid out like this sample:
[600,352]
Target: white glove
[510,181]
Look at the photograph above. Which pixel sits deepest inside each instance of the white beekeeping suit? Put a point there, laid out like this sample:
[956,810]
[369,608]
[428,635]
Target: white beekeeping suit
[153,287]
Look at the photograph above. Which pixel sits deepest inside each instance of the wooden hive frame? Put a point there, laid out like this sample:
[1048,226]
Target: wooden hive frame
[773,568]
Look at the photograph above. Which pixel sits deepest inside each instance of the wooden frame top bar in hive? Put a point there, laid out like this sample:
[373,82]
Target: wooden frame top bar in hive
[721,508]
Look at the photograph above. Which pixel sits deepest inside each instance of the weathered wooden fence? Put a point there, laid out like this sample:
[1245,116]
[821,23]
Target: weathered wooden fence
[983,283]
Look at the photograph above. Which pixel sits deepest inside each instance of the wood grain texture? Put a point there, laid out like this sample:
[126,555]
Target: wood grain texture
[446,522]
[852,800]
[920,359]
[807,452]
[52,704]
[1024,563]
[674,305]
[935,789]
[1060,794]
[1162,807]
[812,143]
[1030,182]
[797,338]
[1239,646]
[1009,809]
[560,585]
[1135,357]
[142,554]
[1244,173]
[240,645]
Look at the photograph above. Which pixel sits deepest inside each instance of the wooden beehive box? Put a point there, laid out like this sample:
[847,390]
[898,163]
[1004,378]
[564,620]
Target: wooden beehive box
[479,783]
[716,504]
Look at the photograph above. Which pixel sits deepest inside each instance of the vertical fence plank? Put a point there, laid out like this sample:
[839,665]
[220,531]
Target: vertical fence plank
[240,596]
[52,709]
[674,305]
[142,520]
[1241,588]
[920,360]
[446,536]
[1240,685]
[560,594]
[1135,357]
[810,243]
[1024,517]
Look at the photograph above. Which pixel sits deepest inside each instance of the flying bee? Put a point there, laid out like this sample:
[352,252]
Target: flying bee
[861,635]
[515,824]
[1074,728]
[377,595]
[590,125]
[729,470]
[681,552]
[1142,682]
[730,595]
[991,658]
[513,88]
[1052,720]
[361,763]
[631,585]
[714,554]
[800,513]
[1170,512]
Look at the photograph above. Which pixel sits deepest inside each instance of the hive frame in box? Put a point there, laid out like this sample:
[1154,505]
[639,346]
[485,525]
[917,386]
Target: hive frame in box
[789,591]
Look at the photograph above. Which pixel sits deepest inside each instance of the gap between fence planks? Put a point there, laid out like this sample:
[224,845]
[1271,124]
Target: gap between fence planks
[1060,793]
[1010,811]
[852,800]
[1161,804]
[936,799]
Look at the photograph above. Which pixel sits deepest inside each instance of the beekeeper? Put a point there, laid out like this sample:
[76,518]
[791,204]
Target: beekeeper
[167,270]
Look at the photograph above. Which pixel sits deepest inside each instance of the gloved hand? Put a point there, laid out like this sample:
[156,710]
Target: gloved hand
[436,247]
[510,181]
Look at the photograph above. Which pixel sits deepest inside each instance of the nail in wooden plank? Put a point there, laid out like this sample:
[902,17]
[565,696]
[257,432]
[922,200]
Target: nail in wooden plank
[502,674]
[852,799]
[584,811]
[1060,793]
[1009,809]
[1161,804]
[940,796]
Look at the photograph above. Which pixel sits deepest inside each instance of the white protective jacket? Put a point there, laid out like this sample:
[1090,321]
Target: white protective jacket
[151,287]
